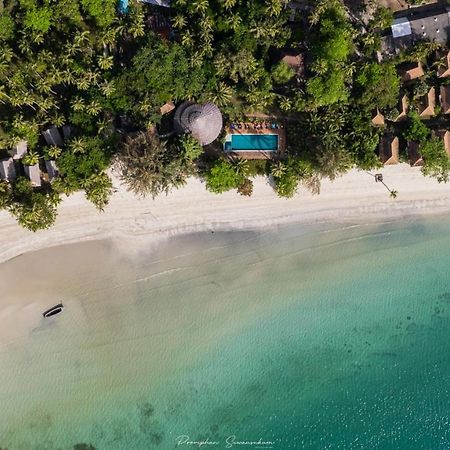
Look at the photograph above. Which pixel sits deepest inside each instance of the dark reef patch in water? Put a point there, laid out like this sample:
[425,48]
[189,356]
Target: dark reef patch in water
[83,447]
[146,409]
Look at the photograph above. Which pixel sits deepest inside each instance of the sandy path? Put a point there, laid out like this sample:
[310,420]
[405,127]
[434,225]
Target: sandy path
[354,197]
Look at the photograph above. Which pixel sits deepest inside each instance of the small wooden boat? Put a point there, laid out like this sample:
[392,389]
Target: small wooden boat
[53,310]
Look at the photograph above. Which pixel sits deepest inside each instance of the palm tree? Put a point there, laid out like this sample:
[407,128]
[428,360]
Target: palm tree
[81,38]
[77,145]
[179,21]
[285,104]
[200,6]
[241,166]
[58,120]
[4,97]
[221,64]
[53,152]
[228,4]
[137,27]
[107,88]
[187,40]
[105,62]
[234,21]
[278,169]
[222,95]
[274,7]
[78,104]
[31,158]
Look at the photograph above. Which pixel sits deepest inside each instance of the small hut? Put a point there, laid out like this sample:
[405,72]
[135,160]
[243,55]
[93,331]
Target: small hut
[34,174]
[444,70]
[403,109]
[445,136]
[445,99]
[427,104]
[7,169]
[411,71]
[378,118]
[52,169]
[52,136]
[388,150]
[20,150]
[204,122]
[415,158]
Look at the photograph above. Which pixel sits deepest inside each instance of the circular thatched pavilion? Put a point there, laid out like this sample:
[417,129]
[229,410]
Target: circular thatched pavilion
[204,122]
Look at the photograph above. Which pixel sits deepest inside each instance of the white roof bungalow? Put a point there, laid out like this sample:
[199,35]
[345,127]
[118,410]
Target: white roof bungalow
[52,170]
[34,174]
[7,169]
[53,137]
[20,150]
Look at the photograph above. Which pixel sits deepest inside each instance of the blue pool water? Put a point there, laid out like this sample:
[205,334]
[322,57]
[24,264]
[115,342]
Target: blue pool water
[123,6]
[250,142]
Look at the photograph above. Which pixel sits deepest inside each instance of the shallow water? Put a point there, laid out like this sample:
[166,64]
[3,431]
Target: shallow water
[325,338]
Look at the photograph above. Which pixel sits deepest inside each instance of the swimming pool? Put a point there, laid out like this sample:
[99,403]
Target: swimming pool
[123,6]
[251,142]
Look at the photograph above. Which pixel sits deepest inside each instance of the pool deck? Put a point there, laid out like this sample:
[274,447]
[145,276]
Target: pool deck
[255,154]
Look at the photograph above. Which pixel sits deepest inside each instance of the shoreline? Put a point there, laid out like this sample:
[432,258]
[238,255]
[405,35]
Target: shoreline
[353,198]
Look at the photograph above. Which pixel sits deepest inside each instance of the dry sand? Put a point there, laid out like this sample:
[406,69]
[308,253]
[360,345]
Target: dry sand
[354,197]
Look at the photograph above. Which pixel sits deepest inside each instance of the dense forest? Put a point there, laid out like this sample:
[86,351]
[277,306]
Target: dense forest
[107,74]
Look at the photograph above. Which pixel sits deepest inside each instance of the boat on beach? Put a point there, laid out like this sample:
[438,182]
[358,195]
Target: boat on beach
[53,310]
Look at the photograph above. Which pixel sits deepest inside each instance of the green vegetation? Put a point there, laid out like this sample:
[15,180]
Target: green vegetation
[436,160]
[223,176]
[417,130]
[82,63]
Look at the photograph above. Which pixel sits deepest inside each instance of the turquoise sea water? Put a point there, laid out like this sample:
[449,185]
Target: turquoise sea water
[325,338]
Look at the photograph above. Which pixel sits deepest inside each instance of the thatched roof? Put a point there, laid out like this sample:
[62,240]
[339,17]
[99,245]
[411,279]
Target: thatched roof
[204,122]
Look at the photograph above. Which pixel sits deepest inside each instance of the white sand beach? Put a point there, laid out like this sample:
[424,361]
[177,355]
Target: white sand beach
[355,197]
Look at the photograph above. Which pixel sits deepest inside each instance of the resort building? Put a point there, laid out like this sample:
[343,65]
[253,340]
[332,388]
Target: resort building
[415,158]
[34,174]
[403,109]
[445,99]
[427,104]
[443,70]
[427,23]
[52,169]
[20,150]
[388,149]
[52,136]
[411,71]
[204,122]
[378,119]
[7,169]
